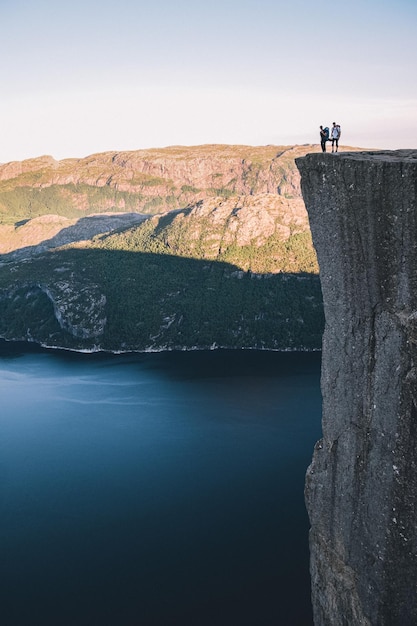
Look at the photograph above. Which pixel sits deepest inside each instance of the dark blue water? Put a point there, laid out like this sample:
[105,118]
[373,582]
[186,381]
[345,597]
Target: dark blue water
[155,490]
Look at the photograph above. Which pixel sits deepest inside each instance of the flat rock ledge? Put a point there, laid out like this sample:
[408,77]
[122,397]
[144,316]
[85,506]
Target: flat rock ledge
[361,487]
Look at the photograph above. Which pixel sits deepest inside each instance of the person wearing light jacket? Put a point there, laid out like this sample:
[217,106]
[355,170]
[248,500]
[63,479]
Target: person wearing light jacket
[335,136]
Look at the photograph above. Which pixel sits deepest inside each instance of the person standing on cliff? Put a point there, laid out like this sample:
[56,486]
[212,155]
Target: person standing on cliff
[324,136]
[335,136]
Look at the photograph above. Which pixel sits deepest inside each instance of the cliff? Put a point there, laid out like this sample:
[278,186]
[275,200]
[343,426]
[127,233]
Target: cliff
[361,487]
[243,169]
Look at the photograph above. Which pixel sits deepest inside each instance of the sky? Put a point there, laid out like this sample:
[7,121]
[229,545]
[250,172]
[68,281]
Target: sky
[88,76]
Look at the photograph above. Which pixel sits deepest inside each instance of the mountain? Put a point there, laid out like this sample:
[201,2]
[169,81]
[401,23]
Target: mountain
[177,248]
[144,181]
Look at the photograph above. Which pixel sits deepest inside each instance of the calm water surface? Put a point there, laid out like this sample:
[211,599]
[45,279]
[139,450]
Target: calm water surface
[155,490]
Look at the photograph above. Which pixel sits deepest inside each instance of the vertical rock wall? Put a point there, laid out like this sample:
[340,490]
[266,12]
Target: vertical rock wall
[361,487]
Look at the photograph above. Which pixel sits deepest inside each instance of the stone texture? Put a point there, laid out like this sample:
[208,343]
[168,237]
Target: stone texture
[361,487]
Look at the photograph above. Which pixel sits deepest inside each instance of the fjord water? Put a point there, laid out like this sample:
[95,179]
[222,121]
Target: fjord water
[155,489]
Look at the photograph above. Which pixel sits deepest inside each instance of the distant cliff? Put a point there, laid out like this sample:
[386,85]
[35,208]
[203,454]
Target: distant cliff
[361,487]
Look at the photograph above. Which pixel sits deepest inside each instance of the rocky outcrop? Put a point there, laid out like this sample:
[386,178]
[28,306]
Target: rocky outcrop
[14,169]
[264,234]
[79,308]
[58,312]
[361,488]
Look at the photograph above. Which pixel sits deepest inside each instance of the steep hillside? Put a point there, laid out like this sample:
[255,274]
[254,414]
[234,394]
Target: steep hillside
[260,234]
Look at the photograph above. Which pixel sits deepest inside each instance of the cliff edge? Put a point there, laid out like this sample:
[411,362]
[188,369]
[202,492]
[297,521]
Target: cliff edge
[361,487]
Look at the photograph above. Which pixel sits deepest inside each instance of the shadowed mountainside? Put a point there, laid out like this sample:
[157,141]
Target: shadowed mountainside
[98,299]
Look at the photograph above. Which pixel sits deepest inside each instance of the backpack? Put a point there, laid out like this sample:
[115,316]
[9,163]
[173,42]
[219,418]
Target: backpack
[326,134]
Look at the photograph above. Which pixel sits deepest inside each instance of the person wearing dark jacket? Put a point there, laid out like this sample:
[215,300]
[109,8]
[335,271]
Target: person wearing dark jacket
[324,136]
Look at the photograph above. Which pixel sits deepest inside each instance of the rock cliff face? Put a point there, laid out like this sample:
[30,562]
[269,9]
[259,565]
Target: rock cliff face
[361,488]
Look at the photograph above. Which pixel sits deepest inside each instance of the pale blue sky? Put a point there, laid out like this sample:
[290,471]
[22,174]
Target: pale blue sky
[89,76]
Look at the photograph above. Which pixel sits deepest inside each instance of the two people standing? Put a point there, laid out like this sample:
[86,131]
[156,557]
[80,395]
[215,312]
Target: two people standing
[333,135]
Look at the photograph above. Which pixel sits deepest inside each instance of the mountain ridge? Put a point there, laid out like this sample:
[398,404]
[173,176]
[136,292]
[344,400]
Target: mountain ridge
[146,181]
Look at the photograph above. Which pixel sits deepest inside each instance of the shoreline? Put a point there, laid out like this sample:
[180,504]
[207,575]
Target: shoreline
[35,346]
